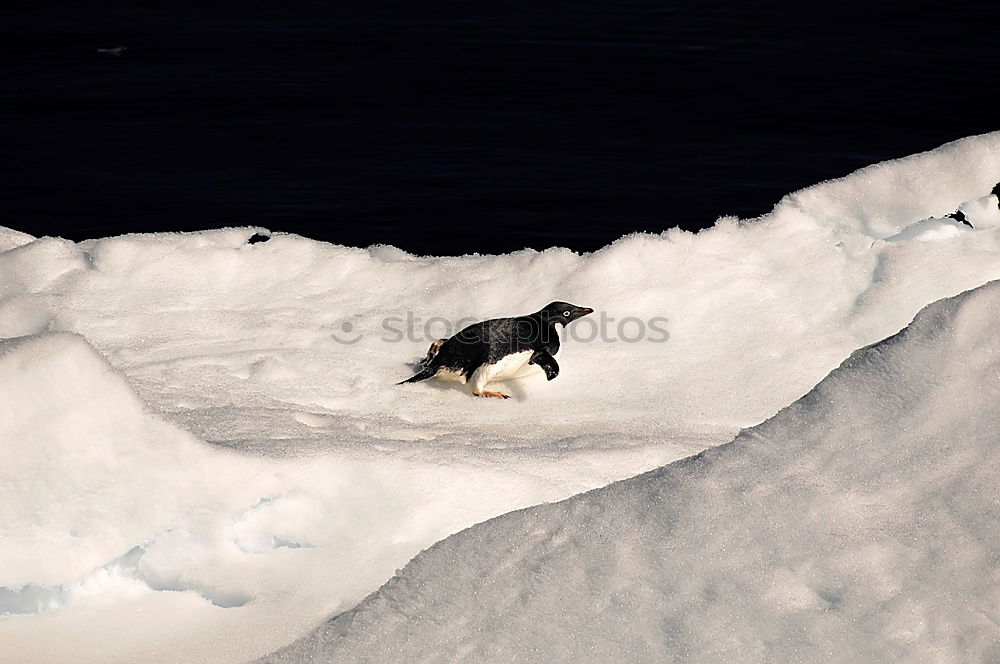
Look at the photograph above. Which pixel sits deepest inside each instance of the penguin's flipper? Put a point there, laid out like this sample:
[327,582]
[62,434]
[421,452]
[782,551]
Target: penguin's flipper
[546,362]
[424,374]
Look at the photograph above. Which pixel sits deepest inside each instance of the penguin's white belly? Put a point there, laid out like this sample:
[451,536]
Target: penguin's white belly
[506,367]
[513,365]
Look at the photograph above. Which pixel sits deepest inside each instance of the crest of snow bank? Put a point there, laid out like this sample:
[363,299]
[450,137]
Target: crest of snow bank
[859,524]
[83,459]
[9,238]
[880,200]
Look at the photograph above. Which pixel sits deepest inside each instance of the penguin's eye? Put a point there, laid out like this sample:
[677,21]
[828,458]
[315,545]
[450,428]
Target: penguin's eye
[566,314]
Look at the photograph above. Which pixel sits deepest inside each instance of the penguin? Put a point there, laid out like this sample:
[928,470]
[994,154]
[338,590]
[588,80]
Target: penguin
[500,348]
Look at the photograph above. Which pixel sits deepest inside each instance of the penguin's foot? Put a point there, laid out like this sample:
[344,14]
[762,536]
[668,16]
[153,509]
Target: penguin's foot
[487,393]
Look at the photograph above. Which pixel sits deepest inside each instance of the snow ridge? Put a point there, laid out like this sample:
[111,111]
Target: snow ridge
[858,524]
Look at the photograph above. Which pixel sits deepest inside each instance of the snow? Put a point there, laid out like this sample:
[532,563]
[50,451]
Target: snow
[204,454]
[859,524]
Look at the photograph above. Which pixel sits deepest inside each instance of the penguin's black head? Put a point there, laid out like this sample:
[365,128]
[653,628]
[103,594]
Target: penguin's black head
[563,312]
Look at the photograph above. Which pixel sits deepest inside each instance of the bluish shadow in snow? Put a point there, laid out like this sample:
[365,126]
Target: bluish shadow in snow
[31,599]
[124,570]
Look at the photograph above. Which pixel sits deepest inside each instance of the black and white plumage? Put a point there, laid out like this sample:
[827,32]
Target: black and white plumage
[500,348]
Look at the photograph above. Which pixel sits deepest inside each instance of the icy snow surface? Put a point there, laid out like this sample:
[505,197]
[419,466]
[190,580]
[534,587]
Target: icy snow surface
[203,454]
[860,524]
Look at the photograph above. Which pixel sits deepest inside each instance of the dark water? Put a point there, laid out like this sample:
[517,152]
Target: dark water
[447,127]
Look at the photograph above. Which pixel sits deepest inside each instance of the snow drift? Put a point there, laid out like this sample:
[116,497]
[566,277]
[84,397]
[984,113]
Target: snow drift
[861,523]
[110,514]
[206,456]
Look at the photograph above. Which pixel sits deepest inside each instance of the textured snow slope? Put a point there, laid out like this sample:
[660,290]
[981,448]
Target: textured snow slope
[860,524]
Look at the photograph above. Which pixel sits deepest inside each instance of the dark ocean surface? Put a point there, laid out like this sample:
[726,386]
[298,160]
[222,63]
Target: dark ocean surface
[447,128]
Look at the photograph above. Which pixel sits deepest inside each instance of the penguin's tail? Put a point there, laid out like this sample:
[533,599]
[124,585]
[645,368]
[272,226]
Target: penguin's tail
[424,374]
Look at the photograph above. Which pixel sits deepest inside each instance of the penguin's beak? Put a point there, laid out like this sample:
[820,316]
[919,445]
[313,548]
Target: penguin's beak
[582,311]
